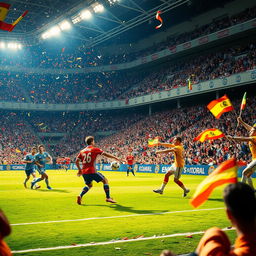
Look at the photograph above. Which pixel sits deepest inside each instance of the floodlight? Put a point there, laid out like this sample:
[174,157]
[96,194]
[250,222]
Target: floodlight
[2,45]
[12,46]
[98,8]
[86,15]
[65,25]
[54,31]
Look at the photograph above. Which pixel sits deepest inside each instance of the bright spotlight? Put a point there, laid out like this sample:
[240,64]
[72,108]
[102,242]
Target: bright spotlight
[86,15]
[54,31]
[2,45]
[65,25]
[12,46]
[98,8]
[19,46]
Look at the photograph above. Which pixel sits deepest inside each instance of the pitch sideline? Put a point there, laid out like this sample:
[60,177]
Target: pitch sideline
[114,217]
[111,242]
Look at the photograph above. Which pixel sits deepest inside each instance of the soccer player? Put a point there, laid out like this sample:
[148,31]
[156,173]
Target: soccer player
[67,163]
[87,157]
[251,167]
[29,167]
[41,158]
[130,161]
[177,149]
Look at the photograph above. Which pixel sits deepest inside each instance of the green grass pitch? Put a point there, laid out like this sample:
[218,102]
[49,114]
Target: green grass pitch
[134,196]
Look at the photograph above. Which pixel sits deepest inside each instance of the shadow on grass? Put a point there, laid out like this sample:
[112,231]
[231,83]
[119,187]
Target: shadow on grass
[53,190]
[122,208]
[215,199]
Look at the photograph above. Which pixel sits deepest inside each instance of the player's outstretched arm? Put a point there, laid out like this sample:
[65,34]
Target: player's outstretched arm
[112,156]
[164,151]
[167,145]
[240,139]
[27,162]
[244,124]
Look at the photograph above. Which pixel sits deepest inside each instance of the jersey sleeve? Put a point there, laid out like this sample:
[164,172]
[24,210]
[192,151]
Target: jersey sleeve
[98,151]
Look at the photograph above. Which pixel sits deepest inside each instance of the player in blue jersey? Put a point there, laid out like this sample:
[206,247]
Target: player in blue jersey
[41,159]
[30,166]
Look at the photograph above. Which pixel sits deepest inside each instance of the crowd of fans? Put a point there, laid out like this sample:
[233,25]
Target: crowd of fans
[16,138]
[187,123]
[95,87]
[130,133]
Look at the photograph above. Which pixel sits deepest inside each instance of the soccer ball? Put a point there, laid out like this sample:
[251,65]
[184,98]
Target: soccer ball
[115,166]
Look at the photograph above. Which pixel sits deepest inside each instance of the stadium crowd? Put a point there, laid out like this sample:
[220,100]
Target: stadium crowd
[16,138]
[95,87]
[187,123]
[130,133]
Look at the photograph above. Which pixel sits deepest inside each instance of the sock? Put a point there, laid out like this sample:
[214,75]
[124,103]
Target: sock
[47,182]
[25,181]
[132,172]
[179,183]
[166,177]
[243,179]
[106,188]
[37,180]
[163,186]
[84,191]
[250,182]
[127,172]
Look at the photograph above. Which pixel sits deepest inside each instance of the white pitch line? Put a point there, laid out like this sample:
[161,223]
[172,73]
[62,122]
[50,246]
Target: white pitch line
[111,242]
[113,217]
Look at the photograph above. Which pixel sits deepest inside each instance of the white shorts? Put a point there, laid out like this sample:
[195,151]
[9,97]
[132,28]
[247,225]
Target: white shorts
[251,165]
[177,171]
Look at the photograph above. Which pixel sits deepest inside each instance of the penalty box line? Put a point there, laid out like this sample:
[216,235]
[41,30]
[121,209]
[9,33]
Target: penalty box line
[114,217]
[112,242]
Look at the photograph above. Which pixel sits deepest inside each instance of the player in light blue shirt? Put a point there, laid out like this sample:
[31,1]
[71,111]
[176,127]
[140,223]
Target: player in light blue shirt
[30,166]
[41,159]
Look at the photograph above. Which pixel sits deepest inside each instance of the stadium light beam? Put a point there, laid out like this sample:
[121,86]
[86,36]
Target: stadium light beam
[86,15]
[65,25]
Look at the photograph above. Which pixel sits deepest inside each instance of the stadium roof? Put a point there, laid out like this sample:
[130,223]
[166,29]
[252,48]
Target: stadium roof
[118,17]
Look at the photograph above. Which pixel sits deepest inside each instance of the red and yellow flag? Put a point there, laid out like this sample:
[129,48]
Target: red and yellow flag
[243,104]
[158,17]
[223,174]
[4,9]
[209,134]
[153,142]
[220,106]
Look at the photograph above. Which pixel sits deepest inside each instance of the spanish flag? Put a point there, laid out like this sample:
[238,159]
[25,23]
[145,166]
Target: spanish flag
[243,104]
[153,142]
[220,106]
[223,174]
[4,9]
[209,134]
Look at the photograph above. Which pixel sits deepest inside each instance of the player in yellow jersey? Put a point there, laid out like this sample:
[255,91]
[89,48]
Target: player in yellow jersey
[177,149]
[251,167]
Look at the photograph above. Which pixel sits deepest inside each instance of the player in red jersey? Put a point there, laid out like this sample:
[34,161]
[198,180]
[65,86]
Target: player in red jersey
[130,161]
[88,158]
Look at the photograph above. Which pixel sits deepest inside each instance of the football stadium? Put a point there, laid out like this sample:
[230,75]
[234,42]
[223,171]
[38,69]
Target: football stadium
[128,127]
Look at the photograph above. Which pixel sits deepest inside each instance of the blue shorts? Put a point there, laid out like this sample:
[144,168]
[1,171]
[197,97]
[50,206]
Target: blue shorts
[130,166]
[89,178]
[41,170]
[29,172]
